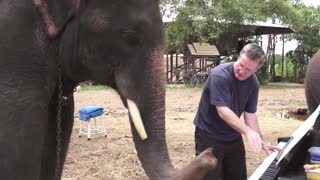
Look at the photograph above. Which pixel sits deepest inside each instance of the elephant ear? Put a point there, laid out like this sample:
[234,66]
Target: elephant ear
[56,14]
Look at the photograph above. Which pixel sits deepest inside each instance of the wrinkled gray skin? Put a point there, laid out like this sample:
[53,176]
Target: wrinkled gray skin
[117,43]
[312,83]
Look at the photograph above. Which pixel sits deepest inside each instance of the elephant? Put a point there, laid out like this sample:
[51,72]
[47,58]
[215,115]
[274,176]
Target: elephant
[312,83]
[47,48]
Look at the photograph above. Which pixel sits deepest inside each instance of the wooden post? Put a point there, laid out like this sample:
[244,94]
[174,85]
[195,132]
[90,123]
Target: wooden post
[282,58]
[167,71]
[171,66]
[177,59]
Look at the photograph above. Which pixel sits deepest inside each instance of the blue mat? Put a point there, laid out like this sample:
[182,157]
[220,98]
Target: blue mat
[89,112]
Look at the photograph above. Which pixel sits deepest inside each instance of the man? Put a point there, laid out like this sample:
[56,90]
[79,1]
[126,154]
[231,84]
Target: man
[230,90]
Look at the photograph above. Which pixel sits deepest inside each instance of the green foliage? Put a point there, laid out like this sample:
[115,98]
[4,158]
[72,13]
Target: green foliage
[294,70]
[308,34]
[284,10]
[93,87]
[262,74]
[194,22]
[281,86]
[278,66]
[205,20]
[299,60]
[307,25]
[289,71]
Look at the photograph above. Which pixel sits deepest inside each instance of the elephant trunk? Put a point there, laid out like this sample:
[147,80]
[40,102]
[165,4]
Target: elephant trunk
[143,90]
[152,148]
[152,151]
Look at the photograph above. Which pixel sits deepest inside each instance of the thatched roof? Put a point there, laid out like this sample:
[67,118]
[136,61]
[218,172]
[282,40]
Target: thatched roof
[261,28]
[203,50]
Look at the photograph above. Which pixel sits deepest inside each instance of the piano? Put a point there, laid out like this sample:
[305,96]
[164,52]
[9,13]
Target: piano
[288,163]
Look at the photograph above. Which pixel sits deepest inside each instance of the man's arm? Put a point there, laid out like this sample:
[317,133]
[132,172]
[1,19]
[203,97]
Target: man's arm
[251,121]
[254,138]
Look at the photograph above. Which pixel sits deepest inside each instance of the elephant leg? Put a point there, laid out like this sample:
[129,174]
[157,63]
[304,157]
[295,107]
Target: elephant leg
[22,129]
[49,169]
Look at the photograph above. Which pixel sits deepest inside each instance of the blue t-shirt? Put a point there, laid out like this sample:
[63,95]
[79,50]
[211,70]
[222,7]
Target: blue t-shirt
[222,88]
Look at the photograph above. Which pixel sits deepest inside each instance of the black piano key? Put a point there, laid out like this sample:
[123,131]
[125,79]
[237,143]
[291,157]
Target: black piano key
[268,175]
[271,172]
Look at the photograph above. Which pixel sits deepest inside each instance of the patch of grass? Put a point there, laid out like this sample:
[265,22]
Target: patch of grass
[168,86]
[93,87]
[176,86]
[300,104]
[281,86]
[182,86]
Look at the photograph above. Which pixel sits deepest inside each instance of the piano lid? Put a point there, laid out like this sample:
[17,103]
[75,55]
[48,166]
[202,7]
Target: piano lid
[317,123]
[301,131]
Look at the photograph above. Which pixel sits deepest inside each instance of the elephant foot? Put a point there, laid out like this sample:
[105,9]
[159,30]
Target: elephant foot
[198,168]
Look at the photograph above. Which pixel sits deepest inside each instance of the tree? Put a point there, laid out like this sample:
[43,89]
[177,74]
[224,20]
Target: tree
[299,62]
[205,20]
[308,37]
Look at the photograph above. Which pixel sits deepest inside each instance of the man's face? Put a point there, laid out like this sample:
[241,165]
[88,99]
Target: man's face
[244,67]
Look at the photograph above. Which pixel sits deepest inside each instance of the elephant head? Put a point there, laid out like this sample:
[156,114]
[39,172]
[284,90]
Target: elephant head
[119,43]
[312,83]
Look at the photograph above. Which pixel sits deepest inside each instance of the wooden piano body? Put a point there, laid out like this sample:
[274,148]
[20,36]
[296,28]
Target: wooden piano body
[288,164]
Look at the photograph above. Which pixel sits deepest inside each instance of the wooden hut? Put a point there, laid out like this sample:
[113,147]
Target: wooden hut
[195,65]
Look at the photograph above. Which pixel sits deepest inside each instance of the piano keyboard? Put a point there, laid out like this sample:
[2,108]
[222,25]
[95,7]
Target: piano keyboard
[273,169]
[269,169]
[262,171]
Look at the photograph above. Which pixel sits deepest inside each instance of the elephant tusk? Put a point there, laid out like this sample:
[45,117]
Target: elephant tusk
[137,120]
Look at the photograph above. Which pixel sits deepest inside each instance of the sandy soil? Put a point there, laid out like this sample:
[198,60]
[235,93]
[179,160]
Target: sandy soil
[114,157]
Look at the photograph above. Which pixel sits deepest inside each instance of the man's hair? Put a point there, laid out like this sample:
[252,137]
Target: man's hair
[254,52]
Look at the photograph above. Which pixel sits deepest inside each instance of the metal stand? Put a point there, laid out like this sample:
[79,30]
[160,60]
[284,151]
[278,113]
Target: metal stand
[96,128]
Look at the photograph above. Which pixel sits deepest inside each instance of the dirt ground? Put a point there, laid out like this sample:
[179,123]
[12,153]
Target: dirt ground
[114,157]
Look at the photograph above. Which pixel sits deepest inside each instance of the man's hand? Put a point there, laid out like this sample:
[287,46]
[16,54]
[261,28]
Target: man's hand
[254,140]
[257,144]
[268,148]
